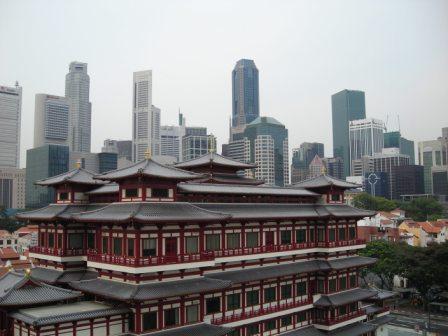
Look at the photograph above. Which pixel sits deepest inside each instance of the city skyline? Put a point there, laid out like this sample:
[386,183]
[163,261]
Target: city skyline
[411,88]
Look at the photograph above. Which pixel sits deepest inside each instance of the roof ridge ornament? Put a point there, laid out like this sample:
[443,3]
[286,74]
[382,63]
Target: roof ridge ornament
[78,164]
[148,153]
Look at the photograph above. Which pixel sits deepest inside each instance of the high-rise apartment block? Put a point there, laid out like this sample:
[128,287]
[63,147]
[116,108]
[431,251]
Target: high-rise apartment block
[347,105]
[51,120]
[245,93]
[395,140]
[366,137]
[10,117]
[146,117]
[77,87]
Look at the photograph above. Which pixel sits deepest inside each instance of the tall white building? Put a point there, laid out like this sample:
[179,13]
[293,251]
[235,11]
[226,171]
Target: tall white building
[145,117]
[10,116]
[77,86]
[51,120]
[171,141]
[366,137]
[12,188]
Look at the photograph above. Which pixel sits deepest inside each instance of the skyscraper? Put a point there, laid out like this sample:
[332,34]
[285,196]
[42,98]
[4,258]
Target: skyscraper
[366,137]
[196,142]
[146,117]
[395,140]
[302,157]
[51,120]
[245,93]
[77,87]
[10,116]
[347,105]
[268,143]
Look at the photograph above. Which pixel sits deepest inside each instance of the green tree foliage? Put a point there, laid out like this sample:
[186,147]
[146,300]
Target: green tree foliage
[422,209]
[7,223]
[369,202]
[426,268]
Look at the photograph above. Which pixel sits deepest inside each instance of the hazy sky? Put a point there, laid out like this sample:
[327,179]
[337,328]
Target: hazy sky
[396,51]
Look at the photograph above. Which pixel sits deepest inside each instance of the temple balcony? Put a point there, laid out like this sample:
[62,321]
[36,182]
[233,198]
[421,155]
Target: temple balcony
[57,254]
[250,314]
[331,323]
[342,243]
[149,264]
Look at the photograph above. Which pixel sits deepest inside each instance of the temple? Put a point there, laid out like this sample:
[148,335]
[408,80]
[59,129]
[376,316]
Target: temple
[193,249]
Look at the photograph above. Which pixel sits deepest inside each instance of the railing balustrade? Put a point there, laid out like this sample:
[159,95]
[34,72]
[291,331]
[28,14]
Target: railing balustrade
[57,251]
[339,319]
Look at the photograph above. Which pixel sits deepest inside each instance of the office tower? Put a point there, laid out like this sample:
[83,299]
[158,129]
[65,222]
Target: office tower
[245,95]
[362,166]
[77,87]
[94,162]
[267,139]
[433,154]
[395,140]
[334,167]
[142,134]
[366,137]
[10,116]
[406,180]
[316,167]
[377,184]
[440,181]
[43,162]
[385,162]
[123,148]
[197,142]
[51,120]
[346,105]
[302,157]
[155,130]
[12,188]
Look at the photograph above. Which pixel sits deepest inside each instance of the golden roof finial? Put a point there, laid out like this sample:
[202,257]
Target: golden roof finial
[78,164]
[148,154]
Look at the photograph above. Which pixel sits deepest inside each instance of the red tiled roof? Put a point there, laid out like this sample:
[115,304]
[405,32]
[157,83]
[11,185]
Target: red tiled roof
[427,227]
[4,233]
[387,214]
[8,253]
[24,230]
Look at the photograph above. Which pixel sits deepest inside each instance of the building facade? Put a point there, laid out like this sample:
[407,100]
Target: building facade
[245,93]
[385,162]
[196,142]
[12,188]
[346,105]
[302,157]
[187,255]
[407,180]
[267,139]
[123,148]
[171,141]
[94,162]
[51,120]
[77,89]
[366,138]
[334,167]
[395,140]
[41,163]
[10,118]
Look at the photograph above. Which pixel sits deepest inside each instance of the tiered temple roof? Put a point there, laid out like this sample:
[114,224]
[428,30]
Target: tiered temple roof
[18,289]
[53,276]
[57,211]
[75,176]
[214,159]
[323,181]
[345,297]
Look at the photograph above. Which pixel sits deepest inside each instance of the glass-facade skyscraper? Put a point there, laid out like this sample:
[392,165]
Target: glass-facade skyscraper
[245,93]
[346,105]
[395,140]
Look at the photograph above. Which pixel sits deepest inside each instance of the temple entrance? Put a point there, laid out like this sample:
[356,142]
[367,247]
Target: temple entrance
[171,247]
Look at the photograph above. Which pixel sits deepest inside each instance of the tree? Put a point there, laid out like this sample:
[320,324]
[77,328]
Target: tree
[389,261]
[422,209]
[369,202]
[6,222]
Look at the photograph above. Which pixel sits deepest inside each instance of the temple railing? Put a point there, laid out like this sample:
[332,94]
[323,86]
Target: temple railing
[250,313]
[339,319]
[57,251]
[342,243]
[148,261]
[262,249]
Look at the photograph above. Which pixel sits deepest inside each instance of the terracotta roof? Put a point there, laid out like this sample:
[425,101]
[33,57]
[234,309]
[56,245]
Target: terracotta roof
[427,227]
[325,181]
[24,230]
[149,168]
[78,176]
[214,159]
[7,253]
[4,233]
[387,214]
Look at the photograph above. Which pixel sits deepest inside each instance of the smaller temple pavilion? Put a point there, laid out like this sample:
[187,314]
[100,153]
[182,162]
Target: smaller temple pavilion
[202,249]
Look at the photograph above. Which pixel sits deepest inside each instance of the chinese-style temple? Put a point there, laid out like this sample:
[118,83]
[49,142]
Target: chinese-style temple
[196,249]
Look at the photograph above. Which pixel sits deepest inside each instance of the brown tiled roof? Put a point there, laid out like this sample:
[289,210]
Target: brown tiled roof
[427,227]
[7,253]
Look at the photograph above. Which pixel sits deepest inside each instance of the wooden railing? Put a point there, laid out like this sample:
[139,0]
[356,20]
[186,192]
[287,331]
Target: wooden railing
[258,312]
[339,319]
[341,243]
[148,261]
[57,251]
[262,249]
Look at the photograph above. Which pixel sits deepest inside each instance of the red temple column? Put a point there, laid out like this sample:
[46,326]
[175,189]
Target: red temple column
[138,319]
[182,240]
[159,241]
[182,310]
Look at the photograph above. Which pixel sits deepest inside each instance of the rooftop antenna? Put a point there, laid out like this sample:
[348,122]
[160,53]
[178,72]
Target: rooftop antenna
[399,127]
[387,121]
[17,84]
